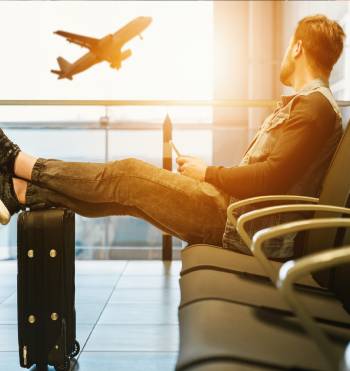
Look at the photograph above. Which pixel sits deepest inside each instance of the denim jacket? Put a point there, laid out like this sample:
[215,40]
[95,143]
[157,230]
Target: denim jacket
[308,185]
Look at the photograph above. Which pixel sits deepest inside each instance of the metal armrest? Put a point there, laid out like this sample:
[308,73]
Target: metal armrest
[291,271]
[251,215]
[254,200]
[265,234]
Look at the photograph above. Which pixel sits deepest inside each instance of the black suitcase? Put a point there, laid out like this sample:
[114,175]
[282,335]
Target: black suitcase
[46,288]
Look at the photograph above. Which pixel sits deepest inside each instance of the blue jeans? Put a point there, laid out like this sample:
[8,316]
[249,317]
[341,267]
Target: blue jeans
[191,210]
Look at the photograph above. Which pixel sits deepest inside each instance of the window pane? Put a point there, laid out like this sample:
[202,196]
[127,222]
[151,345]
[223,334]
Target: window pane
[173,61]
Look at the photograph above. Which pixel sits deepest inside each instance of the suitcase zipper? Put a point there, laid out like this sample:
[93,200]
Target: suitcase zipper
[25,355]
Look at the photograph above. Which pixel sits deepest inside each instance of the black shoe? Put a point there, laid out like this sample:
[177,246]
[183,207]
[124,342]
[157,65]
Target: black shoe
[9,203]
[8,153]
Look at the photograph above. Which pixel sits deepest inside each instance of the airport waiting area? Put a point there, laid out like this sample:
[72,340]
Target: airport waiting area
[175,186]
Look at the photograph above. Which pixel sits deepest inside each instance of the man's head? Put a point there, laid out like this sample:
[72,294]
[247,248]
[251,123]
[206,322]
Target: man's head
[316,45]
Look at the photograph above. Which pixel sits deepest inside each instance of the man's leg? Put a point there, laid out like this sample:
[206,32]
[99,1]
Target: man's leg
[192,210]
[35,197]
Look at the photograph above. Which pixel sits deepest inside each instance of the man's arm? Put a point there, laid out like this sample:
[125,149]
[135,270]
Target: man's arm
[311,122]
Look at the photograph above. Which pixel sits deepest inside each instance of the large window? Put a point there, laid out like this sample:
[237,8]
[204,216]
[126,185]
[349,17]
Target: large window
[173,61]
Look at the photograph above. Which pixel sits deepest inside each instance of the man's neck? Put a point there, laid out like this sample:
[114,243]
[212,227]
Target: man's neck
[304,78]
[299,82]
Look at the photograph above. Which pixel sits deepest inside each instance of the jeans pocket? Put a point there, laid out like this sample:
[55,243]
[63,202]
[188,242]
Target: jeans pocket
[232,241]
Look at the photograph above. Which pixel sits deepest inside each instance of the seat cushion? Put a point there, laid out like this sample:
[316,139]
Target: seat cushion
[215,329]
[257,291]
[201,256]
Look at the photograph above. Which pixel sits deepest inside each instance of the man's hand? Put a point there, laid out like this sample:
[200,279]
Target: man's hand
[192,167]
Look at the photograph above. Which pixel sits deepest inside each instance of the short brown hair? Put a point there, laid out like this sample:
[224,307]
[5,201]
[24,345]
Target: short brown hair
[322,39]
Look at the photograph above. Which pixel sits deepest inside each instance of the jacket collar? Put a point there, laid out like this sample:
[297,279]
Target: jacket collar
[310,86]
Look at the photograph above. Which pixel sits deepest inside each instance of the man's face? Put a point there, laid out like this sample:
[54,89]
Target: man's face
[288,65]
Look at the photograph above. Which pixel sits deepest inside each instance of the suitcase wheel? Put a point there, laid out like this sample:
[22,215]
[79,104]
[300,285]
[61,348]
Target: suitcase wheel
[65,366]
[76,350]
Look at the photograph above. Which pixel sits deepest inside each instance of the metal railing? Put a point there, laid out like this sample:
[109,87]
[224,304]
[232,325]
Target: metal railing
[248,103]
[167,127]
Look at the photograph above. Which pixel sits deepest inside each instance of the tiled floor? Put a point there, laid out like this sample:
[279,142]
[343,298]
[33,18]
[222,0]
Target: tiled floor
[126,315]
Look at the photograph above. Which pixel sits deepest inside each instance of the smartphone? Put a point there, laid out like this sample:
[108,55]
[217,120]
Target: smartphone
[175,149]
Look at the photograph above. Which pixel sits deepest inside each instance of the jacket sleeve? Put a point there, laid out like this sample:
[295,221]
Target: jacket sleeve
[311,121]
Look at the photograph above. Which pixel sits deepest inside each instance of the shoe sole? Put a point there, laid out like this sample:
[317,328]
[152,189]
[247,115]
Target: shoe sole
[4,214]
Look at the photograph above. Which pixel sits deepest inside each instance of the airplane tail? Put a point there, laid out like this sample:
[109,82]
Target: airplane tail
[64,67]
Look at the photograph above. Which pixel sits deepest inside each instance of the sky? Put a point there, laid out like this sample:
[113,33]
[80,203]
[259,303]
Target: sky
[174,61]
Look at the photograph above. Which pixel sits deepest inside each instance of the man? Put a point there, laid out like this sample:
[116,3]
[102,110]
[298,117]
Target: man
[289,154]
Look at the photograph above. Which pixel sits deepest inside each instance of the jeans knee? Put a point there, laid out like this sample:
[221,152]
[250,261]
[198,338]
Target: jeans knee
[127,165]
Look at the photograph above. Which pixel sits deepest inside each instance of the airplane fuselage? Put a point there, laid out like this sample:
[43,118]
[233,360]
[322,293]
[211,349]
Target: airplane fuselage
[86,61]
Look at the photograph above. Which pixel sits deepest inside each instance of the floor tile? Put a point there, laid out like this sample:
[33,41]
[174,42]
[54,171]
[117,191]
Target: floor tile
[134,338]
[92,295]
[151,282]
[8,280]
[83,332]
[8,314]
[95,267]
[9,337]
[126,361]
[12,299]
[145,313]
[165,296]
[88,313]
[9,361]
[153,268]
[8,267]
[96,281]
[6,292]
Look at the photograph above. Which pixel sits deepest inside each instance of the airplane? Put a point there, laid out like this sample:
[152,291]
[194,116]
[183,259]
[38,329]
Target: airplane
[107,48]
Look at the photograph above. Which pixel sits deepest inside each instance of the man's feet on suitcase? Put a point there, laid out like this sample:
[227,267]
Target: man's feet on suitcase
[8,153]
[9,203]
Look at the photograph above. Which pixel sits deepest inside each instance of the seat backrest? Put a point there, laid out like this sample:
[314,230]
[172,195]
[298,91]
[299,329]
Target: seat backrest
[336,184]
[339,277]
[335,191]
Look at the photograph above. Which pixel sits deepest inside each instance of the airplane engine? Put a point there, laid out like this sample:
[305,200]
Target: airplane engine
[119,57]
[126,54]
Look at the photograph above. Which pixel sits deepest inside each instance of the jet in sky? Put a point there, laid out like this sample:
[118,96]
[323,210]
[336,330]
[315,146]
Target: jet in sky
[106,49]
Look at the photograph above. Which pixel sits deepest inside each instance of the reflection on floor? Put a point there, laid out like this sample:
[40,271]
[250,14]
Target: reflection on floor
[126,315]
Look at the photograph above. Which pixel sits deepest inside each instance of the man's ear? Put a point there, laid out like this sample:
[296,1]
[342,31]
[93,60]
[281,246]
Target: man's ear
[297,48]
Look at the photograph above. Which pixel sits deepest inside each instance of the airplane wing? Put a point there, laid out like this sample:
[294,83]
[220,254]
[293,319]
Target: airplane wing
[84,41]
